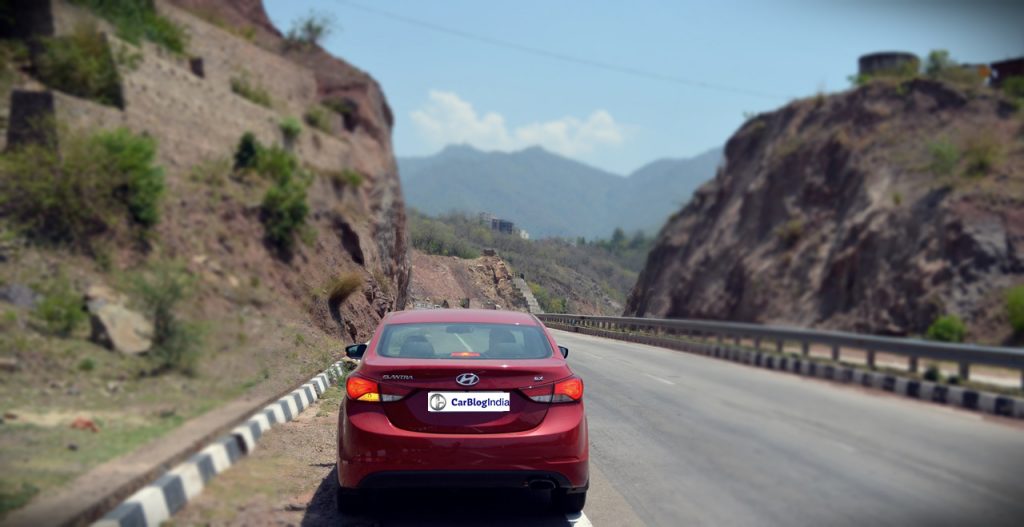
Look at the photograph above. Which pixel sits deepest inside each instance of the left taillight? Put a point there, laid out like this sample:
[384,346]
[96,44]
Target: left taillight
[360,389]
[363,389]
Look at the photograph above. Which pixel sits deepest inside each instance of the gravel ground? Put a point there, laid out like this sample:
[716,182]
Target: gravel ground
[290,480]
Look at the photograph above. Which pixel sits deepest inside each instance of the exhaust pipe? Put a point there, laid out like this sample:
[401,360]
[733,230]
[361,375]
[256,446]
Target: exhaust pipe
[541,484]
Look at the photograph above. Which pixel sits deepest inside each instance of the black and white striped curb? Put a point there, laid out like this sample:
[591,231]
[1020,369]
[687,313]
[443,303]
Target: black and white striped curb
[158,501]
[960,396]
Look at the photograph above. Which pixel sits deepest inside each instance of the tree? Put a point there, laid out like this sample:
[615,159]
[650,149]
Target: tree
[939,62]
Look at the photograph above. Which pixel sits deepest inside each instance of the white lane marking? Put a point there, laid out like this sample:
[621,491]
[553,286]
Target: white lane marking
[659,379]
[463,341]
[579,520]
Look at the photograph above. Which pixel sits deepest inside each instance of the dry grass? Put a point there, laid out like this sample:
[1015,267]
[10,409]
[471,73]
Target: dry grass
[342,286]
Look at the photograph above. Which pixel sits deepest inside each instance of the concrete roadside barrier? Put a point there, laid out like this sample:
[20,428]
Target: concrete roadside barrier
[157,502]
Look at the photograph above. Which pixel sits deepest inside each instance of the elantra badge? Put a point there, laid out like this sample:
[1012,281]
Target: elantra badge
[467,379]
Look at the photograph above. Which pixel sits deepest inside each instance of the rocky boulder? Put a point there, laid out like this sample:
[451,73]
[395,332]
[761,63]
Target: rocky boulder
[114,325]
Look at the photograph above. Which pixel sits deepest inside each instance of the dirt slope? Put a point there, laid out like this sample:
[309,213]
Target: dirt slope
[485,281]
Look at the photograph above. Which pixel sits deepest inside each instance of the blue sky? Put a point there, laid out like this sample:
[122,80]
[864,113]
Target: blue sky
[447,89]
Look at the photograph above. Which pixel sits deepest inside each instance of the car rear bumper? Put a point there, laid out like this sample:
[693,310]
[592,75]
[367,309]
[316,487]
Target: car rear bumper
[373,453]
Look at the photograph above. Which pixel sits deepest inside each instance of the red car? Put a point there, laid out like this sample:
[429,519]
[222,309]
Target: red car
[463,398]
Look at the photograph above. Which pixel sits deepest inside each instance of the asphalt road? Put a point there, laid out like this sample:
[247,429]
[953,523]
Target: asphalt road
[689,440]
[679,439]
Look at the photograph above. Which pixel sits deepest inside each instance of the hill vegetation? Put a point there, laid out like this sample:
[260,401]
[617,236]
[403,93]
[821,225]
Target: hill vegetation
[577,276]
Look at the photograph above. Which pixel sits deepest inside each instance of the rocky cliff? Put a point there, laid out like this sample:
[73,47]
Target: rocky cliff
[874,210]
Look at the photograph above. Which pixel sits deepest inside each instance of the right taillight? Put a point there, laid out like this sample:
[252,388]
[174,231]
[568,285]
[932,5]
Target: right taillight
[567,391]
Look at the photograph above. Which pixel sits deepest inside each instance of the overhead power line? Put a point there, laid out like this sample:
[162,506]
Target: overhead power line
[618,68]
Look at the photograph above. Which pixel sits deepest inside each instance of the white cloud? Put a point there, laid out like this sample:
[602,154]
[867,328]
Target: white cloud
[447,119]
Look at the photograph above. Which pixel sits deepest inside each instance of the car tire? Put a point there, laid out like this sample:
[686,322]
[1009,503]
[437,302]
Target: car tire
[350,500]
[569,503]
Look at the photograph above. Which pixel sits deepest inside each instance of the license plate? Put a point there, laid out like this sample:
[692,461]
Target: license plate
[468,401]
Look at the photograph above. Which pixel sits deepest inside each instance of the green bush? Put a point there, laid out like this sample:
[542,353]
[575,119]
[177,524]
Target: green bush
[62,309]
[317,118]
[947,328]
[548,302]
[81,64]
[941,66]
[276,163]
[87,364]
[434,237]
[1014,87]
[790,232]
[92,186]
[1015,308]
[244,86]
[347,177]
[310,30]
[945,157]
[138,19]
[247,153]
[132,156]
[932,373]
[982,154]
[339,106]
[176,343]
[284,210]
[290,129]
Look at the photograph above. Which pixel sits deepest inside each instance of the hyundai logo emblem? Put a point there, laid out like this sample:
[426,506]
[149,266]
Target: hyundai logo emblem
[437,402]
[467,379]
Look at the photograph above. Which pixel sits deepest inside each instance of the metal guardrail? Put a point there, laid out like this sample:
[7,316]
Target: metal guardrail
[913,349]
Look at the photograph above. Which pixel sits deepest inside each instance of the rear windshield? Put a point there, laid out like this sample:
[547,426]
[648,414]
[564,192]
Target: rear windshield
[463,341]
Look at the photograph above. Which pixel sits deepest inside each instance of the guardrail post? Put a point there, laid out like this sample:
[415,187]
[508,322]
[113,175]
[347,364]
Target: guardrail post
[720,338]
[965,371]
[835,352]
[779,346]
[871,359]
[805,348]
[737,340]
[912,364]
[757,343]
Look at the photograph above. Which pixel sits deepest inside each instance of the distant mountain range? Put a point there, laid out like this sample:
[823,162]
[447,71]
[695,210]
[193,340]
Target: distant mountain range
[550,195]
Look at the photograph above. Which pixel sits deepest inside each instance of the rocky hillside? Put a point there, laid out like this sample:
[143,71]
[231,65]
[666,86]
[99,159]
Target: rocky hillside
[374,233]
[875,210]
[193,209]
[484,282]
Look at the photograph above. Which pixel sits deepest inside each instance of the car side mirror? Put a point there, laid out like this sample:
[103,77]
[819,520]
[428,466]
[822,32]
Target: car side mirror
[355,351]
[565,351]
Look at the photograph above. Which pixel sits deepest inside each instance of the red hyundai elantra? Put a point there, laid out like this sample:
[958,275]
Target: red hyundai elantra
[463,398]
